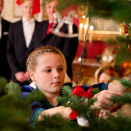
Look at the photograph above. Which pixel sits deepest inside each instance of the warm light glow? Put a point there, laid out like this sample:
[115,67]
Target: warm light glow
[110,58]
[81,25]
[85,27]
[79,59]
[120,30]
[130,64]
[91,27]
[125,64]
[104,58]
[83,16]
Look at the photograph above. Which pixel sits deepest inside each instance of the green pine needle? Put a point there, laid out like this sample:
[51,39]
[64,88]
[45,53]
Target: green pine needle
[126,98]
[35,95]
[67,91]
[126,83]
[95,91]
[3,82]
[13,89]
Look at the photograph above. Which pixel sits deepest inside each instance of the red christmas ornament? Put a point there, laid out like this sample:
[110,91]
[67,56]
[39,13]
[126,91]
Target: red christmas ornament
[73,115]
[79,91]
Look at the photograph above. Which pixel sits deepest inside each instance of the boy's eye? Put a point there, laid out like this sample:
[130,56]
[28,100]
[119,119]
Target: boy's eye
[48,71]
[60,69]
[49,7]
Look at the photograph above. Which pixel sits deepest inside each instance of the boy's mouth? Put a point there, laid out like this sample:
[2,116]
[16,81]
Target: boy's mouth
[56,83]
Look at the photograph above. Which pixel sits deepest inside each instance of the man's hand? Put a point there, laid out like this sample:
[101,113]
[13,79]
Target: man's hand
[20,76]
[116,86]
[27,77]
[104,99]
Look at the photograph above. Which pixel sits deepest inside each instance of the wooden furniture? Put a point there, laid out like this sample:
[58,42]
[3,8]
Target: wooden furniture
[88,68]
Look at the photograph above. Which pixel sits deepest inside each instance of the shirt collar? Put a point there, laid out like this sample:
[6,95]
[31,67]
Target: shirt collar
[25,21]
[52,22]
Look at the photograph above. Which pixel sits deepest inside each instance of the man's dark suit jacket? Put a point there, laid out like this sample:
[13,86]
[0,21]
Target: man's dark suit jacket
[4,67]
[68,46]
[17,52]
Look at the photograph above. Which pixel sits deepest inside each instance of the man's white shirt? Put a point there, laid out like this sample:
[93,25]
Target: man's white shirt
[28,28]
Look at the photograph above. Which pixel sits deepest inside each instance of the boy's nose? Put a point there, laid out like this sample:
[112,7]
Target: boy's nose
[56,74]
[53,10]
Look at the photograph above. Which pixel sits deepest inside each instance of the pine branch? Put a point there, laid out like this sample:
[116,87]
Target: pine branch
[67,91]
[126,98]
[123,40]
[3,82]
[118,123]
[126,83]
[95,91]
[13,89]
[35,95]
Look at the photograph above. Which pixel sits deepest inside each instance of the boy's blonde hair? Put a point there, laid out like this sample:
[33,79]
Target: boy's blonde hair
[31,62]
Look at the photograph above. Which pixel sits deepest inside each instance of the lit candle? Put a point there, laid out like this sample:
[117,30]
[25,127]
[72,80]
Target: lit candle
[90,34]
[83,16]
[85,30]
[80,30]
[120,31]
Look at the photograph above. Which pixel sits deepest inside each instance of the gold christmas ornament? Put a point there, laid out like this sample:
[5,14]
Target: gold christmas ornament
[126,110]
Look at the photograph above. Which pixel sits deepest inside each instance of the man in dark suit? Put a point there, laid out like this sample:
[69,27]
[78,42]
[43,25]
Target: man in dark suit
[24,37]
[68,46]
[4,28]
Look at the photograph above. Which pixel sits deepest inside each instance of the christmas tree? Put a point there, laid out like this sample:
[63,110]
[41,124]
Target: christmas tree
[14,114]
[117,10]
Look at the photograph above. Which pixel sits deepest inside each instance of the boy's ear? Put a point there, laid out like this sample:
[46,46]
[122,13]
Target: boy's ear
[32,76]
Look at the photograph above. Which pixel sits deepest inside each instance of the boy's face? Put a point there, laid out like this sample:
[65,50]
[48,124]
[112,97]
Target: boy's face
[49,74]
[27,8]
[104,78]
[51,8]
[1,6]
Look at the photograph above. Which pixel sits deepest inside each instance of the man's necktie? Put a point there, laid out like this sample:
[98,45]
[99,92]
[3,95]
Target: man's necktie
[49,27]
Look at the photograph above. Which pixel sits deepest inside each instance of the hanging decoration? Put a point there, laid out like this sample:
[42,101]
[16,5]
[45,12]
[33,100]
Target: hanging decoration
[64,20]
[19,2]
[35,8]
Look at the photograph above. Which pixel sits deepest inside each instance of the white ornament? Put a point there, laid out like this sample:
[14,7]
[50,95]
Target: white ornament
[82,121]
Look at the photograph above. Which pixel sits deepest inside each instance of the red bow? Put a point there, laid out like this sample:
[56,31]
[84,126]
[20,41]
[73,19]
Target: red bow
[79,91]
[35,6]
[19,2]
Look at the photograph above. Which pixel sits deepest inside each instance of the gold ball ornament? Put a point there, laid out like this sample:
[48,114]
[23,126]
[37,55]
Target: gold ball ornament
[126,110]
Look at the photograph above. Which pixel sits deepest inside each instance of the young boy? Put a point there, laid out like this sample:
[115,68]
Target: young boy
[24,37]
[47,67]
